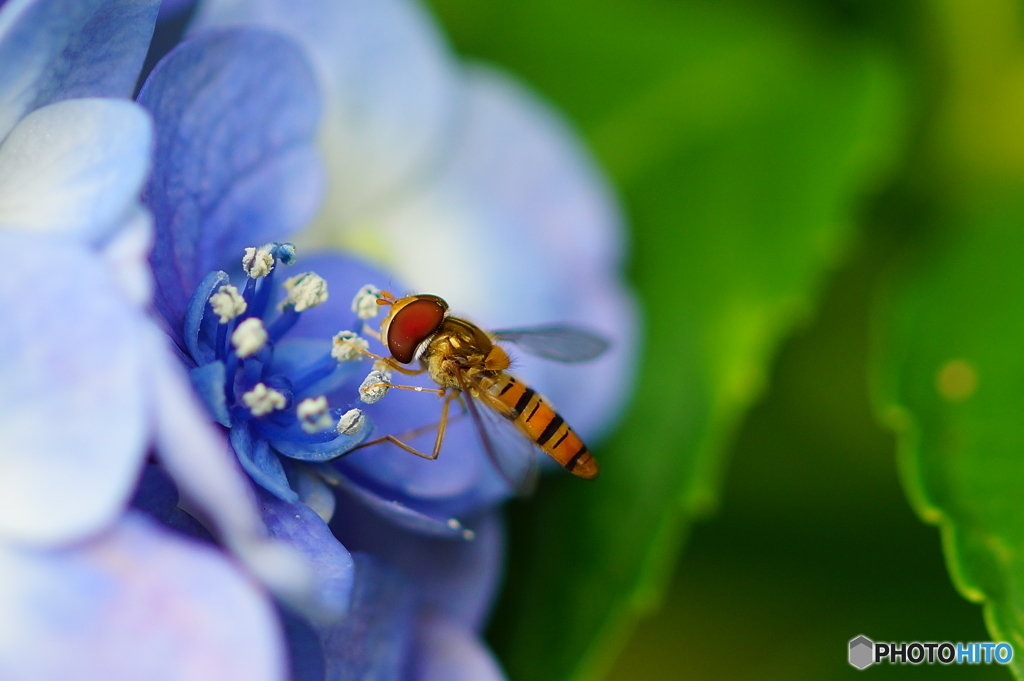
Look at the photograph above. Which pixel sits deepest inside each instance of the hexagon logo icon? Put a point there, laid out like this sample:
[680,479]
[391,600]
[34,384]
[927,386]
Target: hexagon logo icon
[862,652]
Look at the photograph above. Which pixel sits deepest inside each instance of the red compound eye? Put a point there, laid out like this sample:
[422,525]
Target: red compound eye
[412,325]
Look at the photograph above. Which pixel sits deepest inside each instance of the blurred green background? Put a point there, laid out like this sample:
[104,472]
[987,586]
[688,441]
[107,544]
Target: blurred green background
[826,204]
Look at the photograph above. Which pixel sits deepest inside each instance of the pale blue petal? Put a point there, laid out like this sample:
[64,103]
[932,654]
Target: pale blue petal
[75,167]
[390,86]
[73,408]
[521,184]
[126,254]
[135,603]
[456,578]
[209,477]
[375,639]
[305,531]
[59,49]
[447,651]
[313,492]
[235,114]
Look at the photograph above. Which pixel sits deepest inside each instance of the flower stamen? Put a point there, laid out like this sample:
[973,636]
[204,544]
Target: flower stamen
[365,303]
[249,338]
[258,262]
[375,386]
[305,291]
[314,415]
[227,303]
[262,400]
[351,422]
[348,346]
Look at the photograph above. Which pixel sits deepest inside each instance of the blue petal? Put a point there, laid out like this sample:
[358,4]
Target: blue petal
[59,49]
[134,603]
[458,579]
[75,167]
[198,344]
[73,403]
[390,87]
[375,639]
[305,652]
[305,531]
[235,114]
[293,357]
[447,651]
[395,511]
[157,497]
[321,451]
[260,462]
[208,380]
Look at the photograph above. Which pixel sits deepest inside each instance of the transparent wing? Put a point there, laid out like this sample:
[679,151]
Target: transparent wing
[560,342]
[512,453]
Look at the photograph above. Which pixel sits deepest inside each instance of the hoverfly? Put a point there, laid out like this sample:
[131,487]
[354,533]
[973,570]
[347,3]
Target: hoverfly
[469,366]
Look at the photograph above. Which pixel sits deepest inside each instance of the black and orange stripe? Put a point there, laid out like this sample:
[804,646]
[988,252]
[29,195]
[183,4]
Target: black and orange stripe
[535,418]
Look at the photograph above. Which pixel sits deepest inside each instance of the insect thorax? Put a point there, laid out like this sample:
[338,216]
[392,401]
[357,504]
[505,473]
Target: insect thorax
[460,347]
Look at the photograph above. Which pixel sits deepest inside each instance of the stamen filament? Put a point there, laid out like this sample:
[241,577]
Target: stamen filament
[261,295]
[283,324]
[320,369]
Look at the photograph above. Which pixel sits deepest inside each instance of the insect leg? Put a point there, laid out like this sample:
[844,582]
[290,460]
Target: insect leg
[392,364]
[436,391]
[372,332]
[440,426]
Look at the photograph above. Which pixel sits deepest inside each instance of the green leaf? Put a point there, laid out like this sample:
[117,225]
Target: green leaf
[741,144]
[951,383]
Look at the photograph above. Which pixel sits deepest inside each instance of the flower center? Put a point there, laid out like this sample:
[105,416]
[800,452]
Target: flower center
[244,370]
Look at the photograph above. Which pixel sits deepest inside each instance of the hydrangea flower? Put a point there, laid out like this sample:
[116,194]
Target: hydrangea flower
[410,139]
[442,173]
[88,385]
[462,184]
[222,181]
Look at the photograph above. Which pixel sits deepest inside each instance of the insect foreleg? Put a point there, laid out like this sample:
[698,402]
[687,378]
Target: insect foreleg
[436,391]
[371,332]
[390,362]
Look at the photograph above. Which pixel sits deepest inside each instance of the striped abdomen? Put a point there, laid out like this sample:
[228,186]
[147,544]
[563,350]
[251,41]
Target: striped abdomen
[535,418]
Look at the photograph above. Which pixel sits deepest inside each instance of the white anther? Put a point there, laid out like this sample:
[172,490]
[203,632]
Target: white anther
[454,524]
[374,386]
[365,303]
[347,346]
[305,290]
[314,414]
[262,400]
[249,338]
[227,303]
[351,422]
[257,262]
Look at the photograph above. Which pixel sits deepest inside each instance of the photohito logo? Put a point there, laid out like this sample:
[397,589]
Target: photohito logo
[864,652]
